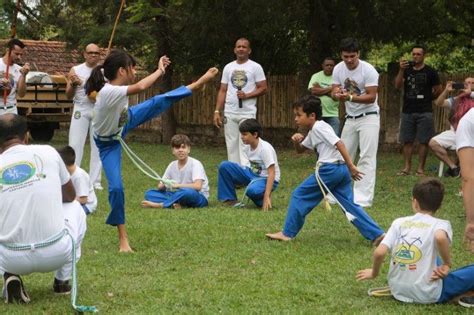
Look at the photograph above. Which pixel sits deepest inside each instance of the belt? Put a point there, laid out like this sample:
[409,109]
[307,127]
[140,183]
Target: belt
[362,115]
[7,107]
[108,138]
[21,247]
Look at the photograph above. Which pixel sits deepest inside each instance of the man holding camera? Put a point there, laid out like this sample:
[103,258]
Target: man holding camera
[420,86]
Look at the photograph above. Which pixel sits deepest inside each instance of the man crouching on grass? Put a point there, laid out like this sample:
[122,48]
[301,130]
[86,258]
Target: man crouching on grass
[333,167]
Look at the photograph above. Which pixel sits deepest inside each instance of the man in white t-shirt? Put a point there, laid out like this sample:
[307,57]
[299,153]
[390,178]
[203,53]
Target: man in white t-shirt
[414,244]
[37,230]
[85,193]
[81,120]
[191,186]
[13,83]
[243,80]
[261,174]
[355,82]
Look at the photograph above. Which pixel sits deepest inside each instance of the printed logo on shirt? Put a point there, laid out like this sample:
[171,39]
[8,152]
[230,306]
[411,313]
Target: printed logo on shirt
[351,86]
[239,79]
[257,167]
[17,173]
[408,253]
[77,114]
[123,117]
[6,85]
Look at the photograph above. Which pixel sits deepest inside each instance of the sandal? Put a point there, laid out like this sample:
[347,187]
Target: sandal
[403,173]
[420,174]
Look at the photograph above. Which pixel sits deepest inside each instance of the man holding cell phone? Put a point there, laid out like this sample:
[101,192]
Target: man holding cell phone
[421,85]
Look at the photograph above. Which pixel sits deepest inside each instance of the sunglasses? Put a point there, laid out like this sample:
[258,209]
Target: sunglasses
[93,53]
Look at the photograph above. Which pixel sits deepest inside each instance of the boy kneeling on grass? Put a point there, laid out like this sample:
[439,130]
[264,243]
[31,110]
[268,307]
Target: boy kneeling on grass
[414,244]
[261,177]
[333,172]
[191,187]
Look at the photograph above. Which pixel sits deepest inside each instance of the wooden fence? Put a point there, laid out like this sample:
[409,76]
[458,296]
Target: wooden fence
[195,113]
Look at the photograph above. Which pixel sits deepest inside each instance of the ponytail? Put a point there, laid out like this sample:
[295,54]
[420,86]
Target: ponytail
[96,81]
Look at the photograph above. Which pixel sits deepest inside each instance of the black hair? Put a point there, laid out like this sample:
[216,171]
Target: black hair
[251,125]
[68,155]
[329,58]
[420,47]
[309,104]
[179,139]
[117,59]
[12,126]
[349,45]
[429,193]
[15,42]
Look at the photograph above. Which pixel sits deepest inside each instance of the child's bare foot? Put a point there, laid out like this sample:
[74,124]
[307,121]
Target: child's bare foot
[150,204]
[206,77]
[125,247]
[177,206]
[279,236]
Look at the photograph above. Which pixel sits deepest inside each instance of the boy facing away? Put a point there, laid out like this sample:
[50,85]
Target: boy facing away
[414,244]
[191,187]
[332,173]
[261,177]
[85,193]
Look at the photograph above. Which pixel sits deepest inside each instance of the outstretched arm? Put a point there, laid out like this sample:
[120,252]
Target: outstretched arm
[146,82]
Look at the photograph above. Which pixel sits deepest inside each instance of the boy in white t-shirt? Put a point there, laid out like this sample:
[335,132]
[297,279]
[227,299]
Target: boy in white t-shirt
[262,174]
[415,243]
[333,173]
[85,193]
[191,187]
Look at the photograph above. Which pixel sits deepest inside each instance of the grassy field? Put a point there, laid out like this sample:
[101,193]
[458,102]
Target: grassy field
[217,260]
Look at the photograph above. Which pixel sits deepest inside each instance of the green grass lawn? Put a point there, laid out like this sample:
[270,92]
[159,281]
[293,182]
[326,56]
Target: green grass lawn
[217,260]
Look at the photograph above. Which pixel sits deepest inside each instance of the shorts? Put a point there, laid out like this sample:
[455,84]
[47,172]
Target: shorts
[417,126]
[446,139]
[465,131]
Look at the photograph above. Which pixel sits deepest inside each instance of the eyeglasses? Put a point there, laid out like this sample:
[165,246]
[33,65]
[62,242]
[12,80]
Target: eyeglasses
[93,53]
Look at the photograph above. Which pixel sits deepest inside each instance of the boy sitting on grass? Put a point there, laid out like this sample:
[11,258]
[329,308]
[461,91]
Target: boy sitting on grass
[261,178]
[85,193]
[191,187]
[332,173]
[414,244]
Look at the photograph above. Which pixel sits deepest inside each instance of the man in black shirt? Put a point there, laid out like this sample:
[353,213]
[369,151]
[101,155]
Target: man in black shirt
[421,85]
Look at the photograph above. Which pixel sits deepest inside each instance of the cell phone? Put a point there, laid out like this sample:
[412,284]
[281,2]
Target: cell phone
[411,63]
[458,86]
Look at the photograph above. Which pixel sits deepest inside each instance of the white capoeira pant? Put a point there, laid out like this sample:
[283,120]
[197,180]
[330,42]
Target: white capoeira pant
[10,109]
[81,124]
[233,141]
[56,257]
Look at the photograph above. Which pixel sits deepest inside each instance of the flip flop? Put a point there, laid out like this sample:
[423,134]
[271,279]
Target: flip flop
[379,292]
[420,174]
[403,173]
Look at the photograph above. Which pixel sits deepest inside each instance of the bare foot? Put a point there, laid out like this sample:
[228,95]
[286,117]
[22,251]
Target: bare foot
[125,247]
[279,236]
[206,77]
[378,240]
[177,206]
[150,204]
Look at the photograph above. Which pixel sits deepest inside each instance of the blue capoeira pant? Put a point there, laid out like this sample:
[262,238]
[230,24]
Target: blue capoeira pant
[186,197]
[231,174]
[308,195]
[457,282]
[111,153]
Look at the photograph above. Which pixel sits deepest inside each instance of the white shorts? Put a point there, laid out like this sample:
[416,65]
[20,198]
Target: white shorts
[465,131]
[56,257]
[446,139]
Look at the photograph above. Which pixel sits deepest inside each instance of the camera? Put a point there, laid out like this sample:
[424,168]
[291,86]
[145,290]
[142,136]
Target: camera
[411,63]
[458,86]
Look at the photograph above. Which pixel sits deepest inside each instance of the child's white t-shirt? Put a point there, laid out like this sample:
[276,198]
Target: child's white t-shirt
[110,110]
[84,188]
[247,75]
[323,139]
[413,257]
[31,202]
[192,171]
[262,158]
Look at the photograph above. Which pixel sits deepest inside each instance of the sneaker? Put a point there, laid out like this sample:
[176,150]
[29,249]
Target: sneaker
[452,172]
[61,287]
[13,290]
[467,301]
[98,186]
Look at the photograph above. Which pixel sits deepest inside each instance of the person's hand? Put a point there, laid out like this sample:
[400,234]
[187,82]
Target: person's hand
[440,272]
[403,63]
[25,69]
[355,173]
[297,138]
[161,186]
[468,89]
[175,185]
[365,274]
[5,83]
[449,86]
[217,119]
[164,63]
[241,94]
[342,95]
[469,236]
[75,80]
[267,203]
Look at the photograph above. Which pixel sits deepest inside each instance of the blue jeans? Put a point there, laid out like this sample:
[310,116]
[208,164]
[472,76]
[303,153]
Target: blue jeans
[308,195]
[111,152]
[231,174]
[186,197]
[334,123]
[457,282]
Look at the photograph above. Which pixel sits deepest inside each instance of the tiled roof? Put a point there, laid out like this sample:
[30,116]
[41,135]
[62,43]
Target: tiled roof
[50,56]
